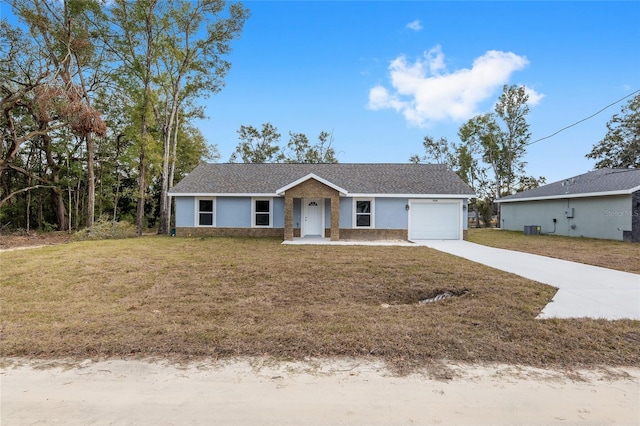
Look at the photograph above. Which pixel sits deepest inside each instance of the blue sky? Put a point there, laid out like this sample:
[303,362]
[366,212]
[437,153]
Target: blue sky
[381,75]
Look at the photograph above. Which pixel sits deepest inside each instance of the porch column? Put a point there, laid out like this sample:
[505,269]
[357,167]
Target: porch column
[335,217]
[288,217]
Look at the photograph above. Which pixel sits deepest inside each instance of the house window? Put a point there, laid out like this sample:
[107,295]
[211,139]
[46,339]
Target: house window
[205,212]
[363,213]
[261,215]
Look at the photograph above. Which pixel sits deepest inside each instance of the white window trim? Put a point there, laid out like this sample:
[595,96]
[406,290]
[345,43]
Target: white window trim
[196,219]
[372,213]
[253,212]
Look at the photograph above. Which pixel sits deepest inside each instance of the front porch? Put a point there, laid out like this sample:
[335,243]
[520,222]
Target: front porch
[312,195]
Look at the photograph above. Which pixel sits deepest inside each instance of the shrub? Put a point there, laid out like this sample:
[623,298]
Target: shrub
[104,229]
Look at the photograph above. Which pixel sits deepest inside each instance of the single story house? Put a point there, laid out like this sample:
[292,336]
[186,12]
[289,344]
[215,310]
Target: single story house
[336,201]
[604,203]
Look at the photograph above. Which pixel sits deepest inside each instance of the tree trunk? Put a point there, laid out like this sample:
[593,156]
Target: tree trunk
[142,188]
[142,168]
[117,194]
[163,227]
[172,165]
[168,151]
[57,201]
[91,182]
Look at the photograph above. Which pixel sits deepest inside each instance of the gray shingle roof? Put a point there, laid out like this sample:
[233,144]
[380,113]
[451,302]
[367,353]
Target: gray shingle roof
[597,182]
[354,178]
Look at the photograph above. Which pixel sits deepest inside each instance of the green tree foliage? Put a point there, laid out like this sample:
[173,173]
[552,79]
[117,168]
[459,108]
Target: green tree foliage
[300,149]
[258,146]
[35,108]
[493,142]
[98,101]
[529,182]
[263,146]
[62,30]
[437,151]
[502,136]
[192,63]
[620,147]
[462,159]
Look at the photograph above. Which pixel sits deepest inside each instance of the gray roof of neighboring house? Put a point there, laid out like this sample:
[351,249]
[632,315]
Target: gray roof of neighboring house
[354,178]
[600,182]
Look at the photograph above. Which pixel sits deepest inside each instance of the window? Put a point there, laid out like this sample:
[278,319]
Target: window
[205,211]
[261,212]
[363,213]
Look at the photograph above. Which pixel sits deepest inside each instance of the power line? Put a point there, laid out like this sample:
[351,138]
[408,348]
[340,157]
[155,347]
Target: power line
[584,119]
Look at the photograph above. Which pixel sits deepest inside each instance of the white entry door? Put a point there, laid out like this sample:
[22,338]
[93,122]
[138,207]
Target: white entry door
[312,212]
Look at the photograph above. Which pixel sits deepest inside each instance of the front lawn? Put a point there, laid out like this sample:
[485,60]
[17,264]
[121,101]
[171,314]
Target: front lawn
[184,298]
[619,255]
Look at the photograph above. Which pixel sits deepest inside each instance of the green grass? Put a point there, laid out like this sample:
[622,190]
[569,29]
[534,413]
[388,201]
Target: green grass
[182,298]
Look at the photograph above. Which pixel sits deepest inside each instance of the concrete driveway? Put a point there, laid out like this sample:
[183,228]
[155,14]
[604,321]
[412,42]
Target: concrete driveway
[583,290]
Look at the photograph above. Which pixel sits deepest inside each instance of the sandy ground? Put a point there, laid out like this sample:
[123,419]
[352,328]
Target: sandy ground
[317,392]
[19,248]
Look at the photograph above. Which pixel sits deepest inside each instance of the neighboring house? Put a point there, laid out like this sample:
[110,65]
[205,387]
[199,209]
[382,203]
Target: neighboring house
[337,201]
[604,203]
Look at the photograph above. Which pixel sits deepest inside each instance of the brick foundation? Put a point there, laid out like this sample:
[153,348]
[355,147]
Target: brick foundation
[345,234]
[372,234]
[230,232]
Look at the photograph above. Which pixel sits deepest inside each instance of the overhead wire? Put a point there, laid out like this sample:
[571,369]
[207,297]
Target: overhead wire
[584,119]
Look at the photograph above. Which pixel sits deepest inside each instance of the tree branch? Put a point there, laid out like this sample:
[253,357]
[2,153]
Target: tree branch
[14,193]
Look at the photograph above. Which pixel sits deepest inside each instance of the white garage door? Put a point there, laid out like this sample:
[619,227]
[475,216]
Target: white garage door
[431,220]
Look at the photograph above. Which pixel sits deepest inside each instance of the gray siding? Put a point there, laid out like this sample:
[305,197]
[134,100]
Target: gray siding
[601,217]
[277,209]
[634,235]
[391,213]
[185,212]
[346,212]
[465,217]
[233,212]
[297,212]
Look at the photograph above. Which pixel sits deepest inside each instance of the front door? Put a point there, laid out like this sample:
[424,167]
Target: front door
[312,223]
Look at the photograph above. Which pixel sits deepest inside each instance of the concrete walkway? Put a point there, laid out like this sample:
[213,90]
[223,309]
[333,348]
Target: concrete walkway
[583,290]
[319,241]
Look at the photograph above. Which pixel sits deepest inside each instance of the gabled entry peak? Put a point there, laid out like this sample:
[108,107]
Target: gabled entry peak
[343,192]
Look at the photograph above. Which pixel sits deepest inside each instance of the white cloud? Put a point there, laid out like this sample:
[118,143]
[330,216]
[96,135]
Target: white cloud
[425,92]
[415,25]
[534,97]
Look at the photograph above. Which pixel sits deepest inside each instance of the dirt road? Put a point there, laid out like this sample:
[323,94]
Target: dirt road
[318,392]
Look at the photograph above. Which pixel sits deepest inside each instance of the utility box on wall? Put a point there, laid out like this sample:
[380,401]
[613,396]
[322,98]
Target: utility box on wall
[568,213]
[532,229]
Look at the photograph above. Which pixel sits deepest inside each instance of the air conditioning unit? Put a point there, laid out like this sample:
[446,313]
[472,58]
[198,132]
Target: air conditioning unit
[532,229]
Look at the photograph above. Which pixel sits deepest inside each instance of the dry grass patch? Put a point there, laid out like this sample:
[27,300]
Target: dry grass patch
[619,255]
[222,297]
[24,239]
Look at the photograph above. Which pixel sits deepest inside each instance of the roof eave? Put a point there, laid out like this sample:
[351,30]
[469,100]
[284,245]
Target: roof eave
[354,195]
[440,195]
[223,194]
[565,196]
